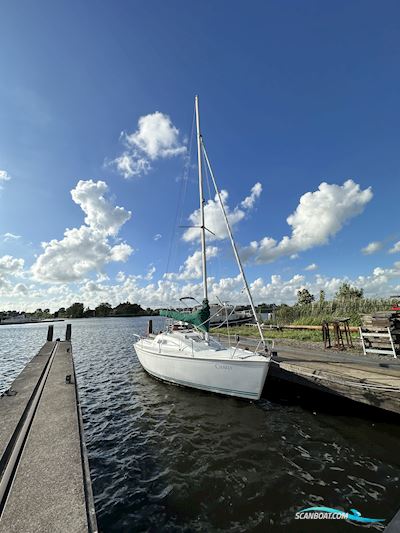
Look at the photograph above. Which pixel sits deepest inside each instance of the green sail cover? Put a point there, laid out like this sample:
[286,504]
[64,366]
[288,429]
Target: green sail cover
[199,318]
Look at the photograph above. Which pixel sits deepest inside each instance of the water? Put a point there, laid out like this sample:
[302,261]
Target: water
[165,458]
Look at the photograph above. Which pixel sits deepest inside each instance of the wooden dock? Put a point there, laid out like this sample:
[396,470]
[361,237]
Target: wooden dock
[44,475]
[369,380]
[394,525]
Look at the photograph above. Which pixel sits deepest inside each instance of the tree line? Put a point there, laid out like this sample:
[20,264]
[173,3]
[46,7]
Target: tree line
[345,293]
[78,310]
[348,301]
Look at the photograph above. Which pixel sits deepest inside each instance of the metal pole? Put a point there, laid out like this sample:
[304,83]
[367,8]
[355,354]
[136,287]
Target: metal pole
[202,226]
[234,246]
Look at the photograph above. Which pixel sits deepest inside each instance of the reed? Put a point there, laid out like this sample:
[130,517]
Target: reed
[317,312]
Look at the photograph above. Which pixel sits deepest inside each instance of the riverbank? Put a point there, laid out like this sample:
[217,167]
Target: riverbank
[313,337]
[11,322]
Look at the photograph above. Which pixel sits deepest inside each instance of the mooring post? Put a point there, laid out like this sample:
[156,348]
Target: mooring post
[149,327]
[50,333]
[68,333]
[326,337]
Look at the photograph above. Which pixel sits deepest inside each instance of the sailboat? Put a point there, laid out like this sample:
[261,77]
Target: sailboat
[190,356]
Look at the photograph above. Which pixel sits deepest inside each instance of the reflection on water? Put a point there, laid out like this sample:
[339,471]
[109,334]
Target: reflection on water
[165,458]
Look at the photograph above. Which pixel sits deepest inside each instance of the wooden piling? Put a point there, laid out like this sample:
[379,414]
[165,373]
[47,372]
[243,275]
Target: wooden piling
[50,333]
[68,333]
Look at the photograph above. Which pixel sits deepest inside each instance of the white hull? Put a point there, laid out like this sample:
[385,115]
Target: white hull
[232,377]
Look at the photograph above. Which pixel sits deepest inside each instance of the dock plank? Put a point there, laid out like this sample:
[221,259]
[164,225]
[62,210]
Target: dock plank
[370,379]
[12,407]
[394,525]
[48,492]
[375,382]
[355,387]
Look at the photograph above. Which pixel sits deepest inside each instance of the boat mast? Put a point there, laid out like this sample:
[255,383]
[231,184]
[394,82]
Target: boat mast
[239,263]
[202,226]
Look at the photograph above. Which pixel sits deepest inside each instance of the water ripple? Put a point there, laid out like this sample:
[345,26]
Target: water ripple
[165,458]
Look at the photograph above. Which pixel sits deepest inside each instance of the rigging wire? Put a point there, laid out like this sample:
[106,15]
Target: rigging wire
[187,167]
[234,248]
[181,196]
[217,262]
[207,177]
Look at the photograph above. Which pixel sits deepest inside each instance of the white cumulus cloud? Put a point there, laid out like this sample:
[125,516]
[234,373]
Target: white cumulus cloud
[192,267]
[89,247]
[150,273]
[100,213]
[4,175]
[395,248]
[313,266]
[120,252]
[372,247]
[121,276]
[213,218]
[10,237]
[248,202]
[318,217]
[20,288]
[381,282]
[156,137]
[131,164]
[11,266]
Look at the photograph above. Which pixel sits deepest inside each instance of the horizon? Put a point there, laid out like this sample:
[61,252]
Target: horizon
[390,300]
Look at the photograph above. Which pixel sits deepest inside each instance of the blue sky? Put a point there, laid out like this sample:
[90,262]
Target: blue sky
[292,95]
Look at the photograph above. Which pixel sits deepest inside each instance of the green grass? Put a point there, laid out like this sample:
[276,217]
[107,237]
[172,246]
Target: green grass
[317,312]
[302,335]
[317,320]
[297,334]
